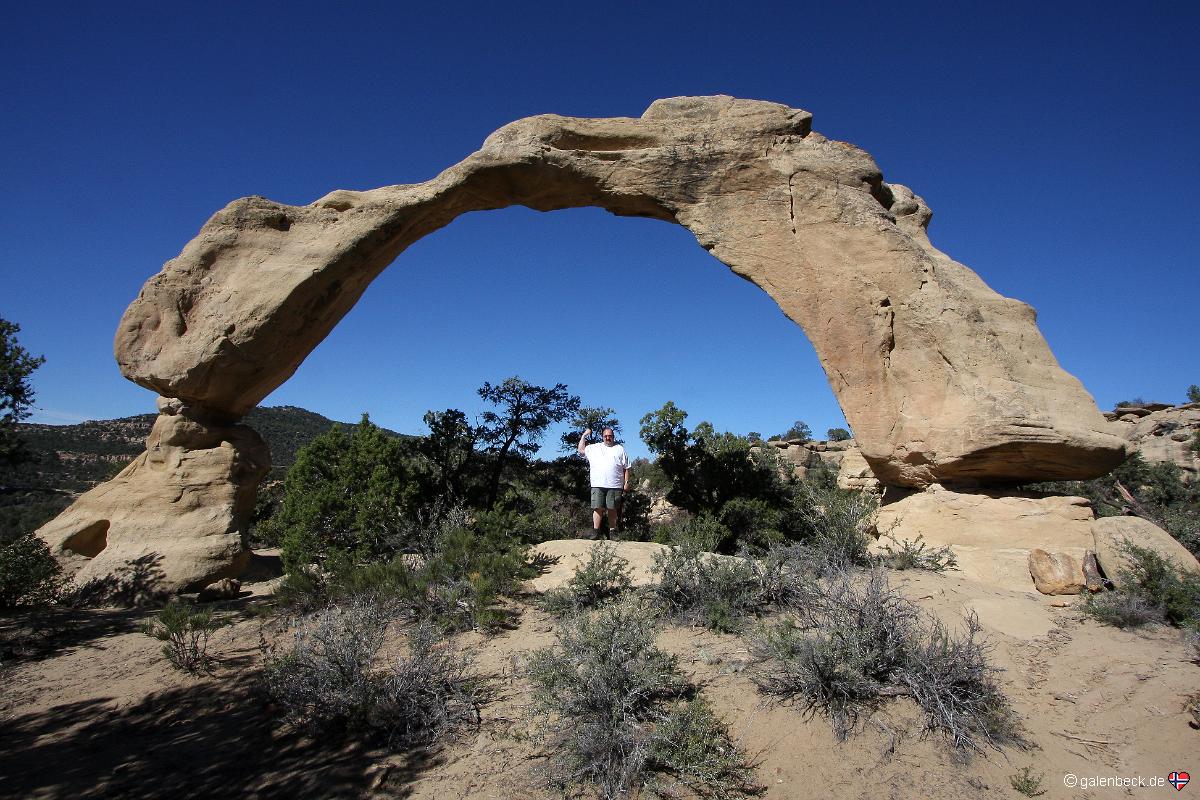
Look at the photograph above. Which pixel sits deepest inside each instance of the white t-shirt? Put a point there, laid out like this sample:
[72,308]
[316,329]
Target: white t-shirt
[608,465]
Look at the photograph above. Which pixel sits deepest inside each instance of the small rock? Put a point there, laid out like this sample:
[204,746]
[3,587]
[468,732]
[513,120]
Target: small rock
[1091,573]
[224,589]
[1055,573]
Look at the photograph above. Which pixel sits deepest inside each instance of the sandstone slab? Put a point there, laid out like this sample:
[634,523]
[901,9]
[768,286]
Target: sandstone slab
[1111,533]
[992,533]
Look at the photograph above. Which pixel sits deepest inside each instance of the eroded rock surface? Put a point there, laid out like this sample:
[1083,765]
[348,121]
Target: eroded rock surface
[992,533]
[941,378]
[1162,434]
[1112,534]
[180,508]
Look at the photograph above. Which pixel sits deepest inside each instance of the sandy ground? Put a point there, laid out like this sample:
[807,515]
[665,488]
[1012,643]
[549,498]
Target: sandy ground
[97,712]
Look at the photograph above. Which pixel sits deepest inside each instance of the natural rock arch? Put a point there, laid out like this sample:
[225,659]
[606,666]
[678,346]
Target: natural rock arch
[941,379]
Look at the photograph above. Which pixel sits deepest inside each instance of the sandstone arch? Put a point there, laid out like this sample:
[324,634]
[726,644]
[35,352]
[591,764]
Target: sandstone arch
[942,379]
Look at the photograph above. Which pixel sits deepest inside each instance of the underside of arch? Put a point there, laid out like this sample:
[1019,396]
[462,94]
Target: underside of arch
[940,378]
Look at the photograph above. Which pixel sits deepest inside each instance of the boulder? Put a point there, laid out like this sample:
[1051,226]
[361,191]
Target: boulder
[180,509]
[992,533]
[1111,533]
[1055,573]
[224,589]
[855,473]
[941,378]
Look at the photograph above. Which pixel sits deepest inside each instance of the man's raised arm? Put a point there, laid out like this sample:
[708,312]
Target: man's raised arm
[583,441]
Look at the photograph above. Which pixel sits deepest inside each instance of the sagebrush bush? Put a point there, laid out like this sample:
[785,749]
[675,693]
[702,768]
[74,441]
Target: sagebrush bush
[330,681]
[835,523]
[854,641]
[904,554]
[697,588]
[185,630]
[29,573]
[602,696]
[604,576]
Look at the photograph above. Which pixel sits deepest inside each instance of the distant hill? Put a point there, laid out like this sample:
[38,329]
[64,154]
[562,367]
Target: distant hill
[70,459]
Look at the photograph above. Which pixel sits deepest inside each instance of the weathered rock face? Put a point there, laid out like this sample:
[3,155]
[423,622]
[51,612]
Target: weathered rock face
[182,506]
[992,533]
[1166,434]
[941,378]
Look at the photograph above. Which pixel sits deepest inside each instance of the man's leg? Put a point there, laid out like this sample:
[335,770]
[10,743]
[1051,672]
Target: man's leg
[612,523]
[597,510]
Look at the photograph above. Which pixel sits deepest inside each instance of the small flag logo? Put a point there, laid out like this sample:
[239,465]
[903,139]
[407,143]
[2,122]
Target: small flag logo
[1179,780]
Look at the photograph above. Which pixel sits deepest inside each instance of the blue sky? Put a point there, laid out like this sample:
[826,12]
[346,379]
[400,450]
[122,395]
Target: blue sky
[1055,143]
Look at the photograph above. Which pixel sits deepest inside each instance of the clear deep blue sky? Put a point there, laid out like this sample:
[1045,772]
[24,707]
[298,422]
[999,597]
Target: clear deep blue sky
[1055,142]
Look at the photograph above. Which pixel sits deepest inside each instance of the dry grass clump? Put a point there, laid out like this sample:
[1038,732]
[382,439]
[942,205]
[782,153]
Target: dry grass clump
[855,641]
[616,713]
[330,682]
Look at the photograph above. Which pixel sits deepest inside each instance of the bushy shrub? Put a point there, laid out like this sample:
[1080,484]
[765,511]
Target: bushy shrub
[1153,590]
[185,630]
[701,532]
[604,576]
[904,554]
[834,521]
[456,587]
[855,641]
[29,574]
[330,682]
[603,694]
[754,525]
[348,492]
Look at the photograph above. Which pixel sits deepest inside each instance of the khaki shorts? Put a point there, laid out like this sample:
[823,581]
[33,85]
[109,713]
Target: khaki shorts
[606,498]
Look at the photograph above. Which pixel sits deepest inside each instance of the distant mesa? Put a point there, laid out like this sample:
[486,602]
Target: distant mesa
[941,379]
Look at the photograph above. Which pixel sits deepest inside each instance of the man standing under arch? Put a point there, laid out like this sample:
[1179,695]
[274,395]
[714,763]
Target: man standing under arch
[609,464]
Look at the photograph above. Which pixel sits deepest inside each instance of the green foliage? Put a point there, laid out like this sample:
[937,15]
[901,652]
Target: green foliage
[185,629]
[708,469]
[450,453]
[593,418]
[1193,394]
[347,492]
[1153,589]
[853,642]
[16,393]
[754,525]
[523,413]
[604,576]
[456,585]
[799,430]
[29,574]
[838,435]
[533,515]
[1027,782]
[644,472]
[329,683]
[603,693]
[834,522]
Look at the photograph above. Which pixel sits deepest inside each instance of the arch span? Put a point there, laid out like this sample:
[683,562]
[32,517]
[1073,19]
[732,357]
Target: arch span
[941,378]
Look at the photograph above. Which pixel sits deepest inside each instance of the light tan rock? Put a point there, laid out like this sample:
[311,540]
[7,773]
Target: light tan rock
[992,534]
[182,505]
[855,473]
[1110,534]
[940,377]
[1055,573]
[1164,435]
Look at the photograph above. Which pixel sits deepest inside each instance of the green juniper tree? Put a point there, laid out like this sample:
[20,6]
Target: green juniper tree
[16,393]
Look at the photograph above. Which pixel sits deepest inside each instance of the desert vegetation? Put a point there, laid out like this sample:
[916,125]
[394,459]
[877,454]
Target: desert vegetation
[395,548]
